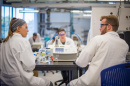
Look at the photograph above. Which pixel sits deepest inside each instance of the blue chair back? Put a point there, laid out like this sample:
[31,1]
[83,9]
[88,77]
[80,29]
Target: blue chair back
[118,75]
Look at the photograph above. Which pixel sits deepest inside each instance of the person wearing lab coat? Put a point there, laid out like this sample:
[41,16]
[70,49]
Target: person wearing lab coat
[102,51]
[35,38]
[63,40]
[17,59]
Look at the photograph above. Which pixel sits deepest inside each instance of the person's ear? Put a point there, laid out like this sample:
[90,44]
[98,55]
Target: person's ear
[109,27]
[18,28]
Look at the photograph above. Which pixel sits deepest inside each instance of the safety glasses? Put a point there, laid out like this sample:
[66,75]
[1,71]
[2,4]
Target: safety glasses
[25,27]
[61,34]
[102,25]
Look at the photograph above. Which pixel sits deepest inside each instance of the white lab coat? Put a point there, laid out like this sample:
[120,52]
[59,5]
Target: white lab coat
[18,62]
[68,41]
[103,51]
[38,39]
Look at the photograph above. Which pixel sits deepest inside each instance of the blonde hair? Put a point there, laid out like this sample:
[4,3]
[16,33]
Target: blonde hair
[112,20]
[10,33]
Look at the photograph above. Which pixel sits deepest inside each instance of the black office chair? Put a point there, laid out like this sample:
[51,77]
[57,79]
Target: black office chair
[65,75]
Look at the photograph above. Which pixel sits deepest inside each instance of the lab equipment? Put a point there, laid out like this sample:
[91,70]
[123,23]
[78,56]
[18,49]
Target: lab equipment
[37,45]
[44,54]
[56,41]
[64,53]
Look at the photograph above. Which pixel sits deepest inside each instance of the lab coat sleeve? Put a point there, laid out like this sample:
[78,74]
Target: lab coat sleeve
[70,42]
[87,53]
[26,57]
[28,60]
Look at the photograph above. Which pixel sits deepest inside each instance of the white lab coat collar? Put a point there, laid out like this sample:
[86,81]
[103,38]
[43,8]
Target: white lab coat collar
[17,34]
[112,33]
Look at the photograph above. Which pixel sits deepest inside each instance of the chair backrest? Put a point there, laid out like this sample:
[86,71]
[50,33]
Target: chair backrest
[118,75]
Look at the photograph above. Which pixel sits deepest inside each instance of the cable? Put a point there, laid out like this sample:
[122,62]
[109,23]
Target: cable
[118,13]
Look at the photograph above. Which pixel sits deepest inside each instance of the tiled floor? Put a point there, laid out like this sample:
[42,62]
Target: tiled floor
[52,77]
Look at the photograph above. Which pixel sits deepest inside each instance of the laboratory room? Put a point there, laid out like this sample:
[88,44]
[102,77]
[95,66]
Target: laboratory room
[64,43]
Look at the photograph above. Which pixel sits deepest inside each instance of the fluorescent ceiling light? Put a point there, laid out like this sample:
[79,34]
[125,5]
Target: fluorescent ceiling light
[87,11]
[76,11]
[28,11]
[110,0]
[87,15]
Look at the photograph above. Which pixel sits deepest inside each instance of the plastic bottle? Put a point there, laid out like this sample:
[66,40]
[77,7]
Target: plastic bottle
[42,55]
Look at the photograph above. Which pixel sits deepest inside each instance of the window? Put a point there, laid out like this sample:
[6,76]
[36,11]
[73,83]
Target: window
[19,15]
[5,21]
[9,12]
[29,18]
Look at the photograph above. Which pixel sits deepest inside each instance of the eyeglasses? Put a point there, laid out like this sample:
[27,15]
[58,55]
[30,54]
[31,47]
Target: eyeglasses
[102,25]
[61,34]
[106,24]
[25,27]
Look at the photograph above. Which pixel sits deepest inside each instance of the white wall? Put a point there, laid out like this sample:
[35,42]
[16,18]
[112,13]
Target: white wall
[81,25]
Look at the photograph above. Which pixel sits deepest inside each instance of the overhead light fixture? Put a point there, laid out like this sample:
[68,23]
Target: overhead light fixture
[76,11]
[87,11]
[87,15]
[28,11]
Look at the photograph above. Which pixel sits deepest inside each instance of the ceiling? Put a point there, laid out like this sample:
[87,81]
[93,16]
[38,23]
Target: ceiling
[63,1]
[68,4]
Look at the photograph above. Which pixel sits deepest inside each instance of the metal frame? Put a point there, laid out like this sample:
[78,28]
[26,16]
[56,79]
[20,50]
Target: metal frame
[62,5]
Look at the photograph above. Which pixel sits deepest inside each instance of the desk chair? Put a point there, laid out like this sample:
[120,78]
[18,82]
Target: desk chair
[44,72]
[65,75]
[118,75]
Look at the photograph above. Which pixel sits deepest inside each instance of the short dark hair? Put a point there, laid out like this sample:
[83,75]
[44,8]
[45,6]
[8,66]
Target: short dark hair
[112,20]
[34,34]
[60,30]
